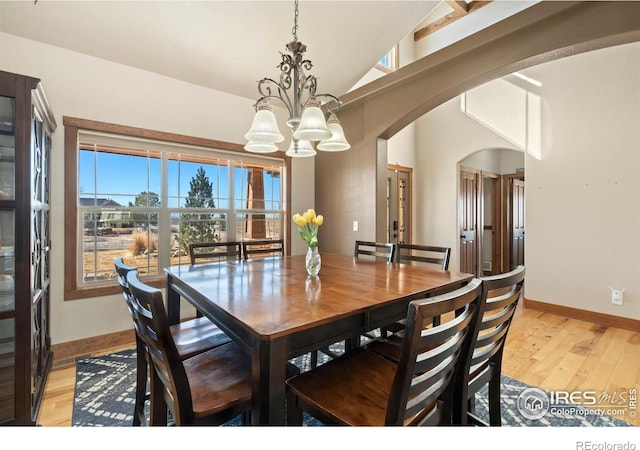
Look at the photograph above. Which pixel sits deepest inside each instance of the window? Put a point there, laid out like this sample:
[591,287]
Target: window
[390,61]
[146,199]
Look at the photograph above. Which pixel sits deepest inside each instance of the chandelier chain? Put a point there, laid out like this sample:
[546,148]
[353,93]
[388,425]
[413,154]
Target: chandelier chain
[294,30]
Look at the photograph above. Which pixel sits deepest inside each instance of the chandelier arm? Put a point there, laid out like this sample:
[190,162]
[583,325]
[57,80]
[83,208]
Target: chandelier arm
[332,99]
[310,83]
[265,89]
[287,65]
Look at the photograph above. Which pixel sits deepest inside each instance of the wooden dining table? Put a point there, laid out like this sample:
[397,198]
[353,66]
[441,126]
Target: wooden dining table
[275,311]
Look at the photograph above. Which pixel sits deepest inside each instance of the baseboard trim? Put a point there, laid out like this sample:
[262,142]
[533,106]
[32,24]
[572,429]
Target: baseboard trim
[68,352]
[581,314]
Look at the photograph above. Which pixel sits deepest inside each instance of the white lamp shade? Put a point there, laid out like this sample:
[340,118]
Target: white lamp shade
[261,147]
[313,126]
[264,128]
[337,142]
[304,149]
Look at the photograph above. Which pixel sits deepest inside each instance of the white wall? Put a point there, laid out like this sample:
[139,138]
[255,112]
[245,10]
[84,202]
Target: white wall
[582,209]
[583,212]
[90,88]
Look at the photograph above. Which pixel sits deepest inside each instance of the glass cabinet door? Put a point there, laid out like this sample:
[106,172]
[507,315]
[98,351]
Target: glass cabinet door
[7,370]
[7,300]
[7,203]
[7,148]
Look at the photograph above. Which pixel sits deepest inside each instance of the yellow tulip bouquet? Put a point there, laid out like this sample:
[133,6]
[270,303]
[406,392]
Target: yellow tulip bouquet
[308,224]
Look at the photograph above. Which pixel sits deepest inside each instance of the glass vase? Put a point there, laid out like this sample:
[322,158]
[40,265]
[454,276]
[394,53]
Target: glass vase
[313,260]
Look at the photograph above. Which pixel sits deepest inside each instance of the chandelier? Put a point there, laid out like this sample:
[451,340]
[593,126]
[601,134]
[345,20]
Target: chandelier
[306,118]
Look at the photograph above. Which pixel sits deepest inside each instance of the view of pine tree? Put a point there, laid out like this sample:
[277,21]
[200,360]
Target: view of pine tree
[146,198]
[198,227]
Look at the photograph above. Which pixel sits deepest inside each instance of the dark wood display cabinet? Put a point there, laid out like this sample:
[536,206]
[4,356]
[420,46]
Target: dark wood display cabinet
[26,125]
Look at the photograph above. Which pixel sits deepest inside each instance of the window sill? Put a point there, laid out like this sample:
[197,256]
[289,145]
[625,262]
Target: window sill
[102,291]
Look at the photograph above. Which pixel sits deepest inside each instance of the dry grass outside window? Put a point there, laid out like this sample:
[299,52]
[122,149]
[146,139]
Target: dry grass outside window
[143,242]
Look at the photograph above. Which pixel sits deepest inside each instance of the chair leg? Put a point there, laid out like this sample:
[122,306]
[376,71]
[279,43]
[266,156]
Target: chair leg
[141,384]
[158,413]
[314,359]
[351,344]
[446,408]
[294,413]
[495,415]
[471,405]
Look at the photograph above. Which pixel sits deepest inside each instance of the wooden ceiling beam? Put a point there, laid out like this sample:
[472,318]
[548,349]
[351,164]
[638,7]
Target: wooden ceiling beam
[459,6]
[460,9]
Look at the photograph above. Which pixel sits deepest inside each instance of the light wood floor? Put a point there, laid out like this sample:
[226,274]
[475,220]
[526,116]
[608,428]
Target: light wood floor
[542,349]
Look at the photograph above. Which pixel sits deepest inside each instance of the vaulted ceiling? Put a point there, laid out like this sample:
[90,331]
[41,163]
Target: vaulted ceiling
[224,45]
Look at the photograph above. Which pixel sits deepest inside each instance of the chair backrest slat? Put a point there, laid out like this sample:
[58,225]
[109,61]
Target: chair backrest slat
[437,344]
[214,251]
[427,254]
[375,250]
[265,247]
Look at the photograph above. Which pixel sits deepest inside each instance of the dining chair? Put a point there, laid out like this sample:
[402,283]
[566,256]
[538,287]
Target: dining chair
[485,366]
[264,247]
[503,293]
[214,251]
[426,254]
[363,388]
[191,337]
[209,388]
[375,250]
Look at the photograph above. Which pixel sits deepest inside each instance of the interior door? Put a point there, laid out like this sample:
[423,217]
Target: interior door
[490,213]
[517,223]
[468,213]
[399,204]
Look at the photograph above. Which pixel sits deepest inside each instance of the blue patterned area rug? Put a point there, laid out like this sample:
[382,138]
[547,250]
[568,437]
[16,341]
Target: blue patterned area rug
[105,392]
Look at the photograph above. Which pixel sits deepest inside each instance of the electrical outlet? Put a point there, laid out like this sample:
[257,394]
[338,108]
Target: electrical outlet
[616,296]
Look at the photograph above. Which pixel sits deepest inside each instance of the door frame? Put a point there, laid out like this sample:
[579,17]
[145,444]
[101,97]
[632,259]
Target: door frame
[496,220]
[409,202]
[507,195]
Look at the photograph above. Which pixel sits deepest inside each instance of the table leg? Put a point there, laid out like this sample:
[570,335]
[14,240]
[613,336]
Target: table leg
[269,362]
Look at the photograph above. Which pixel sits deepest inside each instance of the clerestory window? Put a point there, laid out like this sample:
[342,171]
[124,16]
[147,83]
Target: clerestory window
[390,61]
